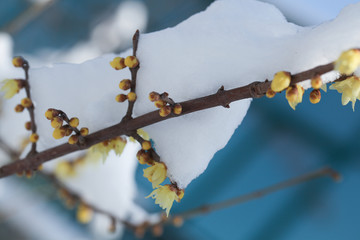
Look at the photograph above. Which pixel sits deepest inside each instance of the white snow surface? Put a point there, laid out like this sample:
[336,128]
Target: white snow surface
[232,43]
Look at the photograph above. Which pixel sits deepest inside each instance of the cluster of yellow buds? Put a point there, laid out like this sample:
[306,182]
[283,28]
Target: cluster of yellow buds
[294,93]
[57,118]
[125,84]
[166,104]
[117,144]
[280,82]
[119,63]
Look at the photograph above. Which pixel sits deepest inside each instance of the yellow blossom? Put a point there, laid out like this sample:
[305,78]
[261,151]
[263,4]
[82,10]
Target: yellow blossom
[65,169]
[156,174]
[350,89]
[294,95]
[10,87]
[117,144]
[348,61]
[281,81]
[166,195]
[84,214]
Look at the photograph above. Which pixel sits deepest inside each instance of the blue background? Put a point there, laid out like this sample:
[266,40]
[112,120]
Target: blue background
[274,143]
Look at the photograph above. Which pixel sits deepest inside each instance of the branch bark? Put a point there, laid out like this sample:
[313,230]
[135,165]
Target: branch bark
[221,98]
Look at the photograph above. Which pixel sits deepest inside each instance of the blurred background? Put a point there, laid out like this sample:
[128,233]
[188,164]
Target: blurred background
[274,143]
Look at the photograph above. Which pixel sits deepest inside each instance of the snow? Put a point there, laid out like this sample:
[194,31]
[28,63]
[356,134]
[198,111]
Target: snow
[225,45]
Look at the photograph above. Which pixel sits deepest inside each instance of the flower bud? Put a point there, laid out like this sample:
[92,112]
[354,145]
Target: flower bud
[291,94]
[121,98]
[84,131]
[270,93]
[56,122]
[84,214]
[28,126]
[131,96]
[315,96]
[125,84]
[74,122]
[131,62]
[158,230]
[178,221]
[146,145]
[316,82]
[68,130]
[26,102]
[19,108]
[160,103]
[34,138]
[18,61]
[154,96]
[165,111]
[281,81]
[59,132]
[118,63]
[177,109]
[73,139]
[348,61]
[51,113]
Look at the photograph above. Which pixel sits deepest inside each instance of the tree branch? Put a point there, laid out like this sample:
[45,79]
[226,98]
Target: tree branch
[221,98]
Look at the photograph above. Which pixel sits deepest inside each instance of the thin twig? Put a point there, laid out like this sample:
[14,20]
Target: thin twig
[77,198]
[27,16]
[326,171]
[30,109]
[133,71]
[221,98]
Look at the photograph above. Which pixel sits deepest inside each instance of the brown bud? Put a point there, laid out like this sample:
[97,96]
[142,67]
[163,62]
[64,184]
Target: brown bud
[160,103]
[158,230]
[292,93]
[165,111]
[125,84]
[154,96]
[177,109]
[28,126]
[84,131]
[121,98]
[131,96]
[26,102]
[73,139]
[316,82]
[56,122]
[18,61]
[19,108]
[270,93]
[315,96]
[34,138]
[178,221]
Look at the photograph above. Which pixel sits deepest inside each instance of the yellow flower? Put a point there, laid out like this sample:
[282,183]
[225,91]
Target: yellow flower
[294,95]
[350,89]
[281,81]
[84,214]
[348,61]
[65,169]
[156,174]
[166,195]
[11,87]
[117,144]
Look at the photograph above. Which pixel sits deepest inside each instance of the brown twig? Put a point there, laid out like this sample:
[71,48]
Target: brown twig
[153,153]
[326,171]
[221,98]
[77,198]
[30,109]
[133,71]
